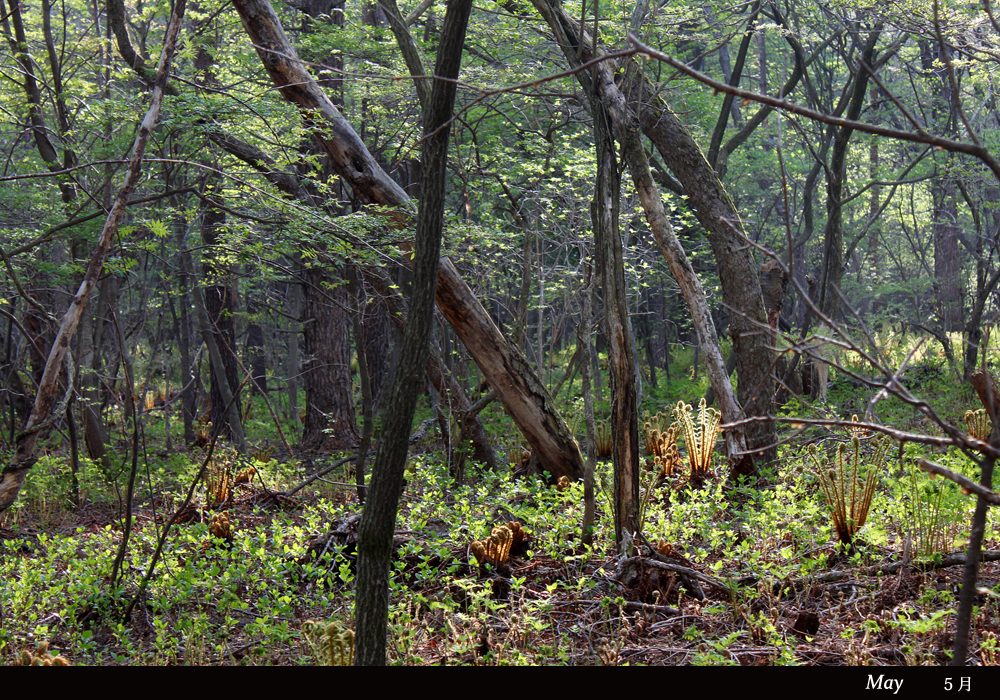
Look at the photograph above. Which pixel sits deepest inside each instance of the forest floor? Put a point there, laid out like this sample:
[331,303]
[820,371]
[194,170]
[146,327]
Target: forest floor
[731,574]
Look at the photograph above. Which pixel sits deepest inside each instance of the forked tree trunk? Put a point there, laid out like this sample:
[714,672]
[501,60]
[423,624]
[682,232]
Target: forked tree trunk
[624,407]
[626,126]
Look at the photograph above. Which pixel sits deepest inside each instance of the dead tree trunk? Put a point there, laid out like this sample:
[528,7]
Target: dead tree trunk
[46,409]
[518,388]
[352,161]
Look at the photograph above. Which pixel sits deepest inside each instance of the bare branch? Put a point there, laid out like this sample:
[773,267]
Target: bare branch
[968,485]
[971,149]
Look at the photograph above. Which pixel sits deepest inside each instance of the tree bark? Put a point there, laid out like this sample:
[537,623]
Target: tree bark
[378,520]
[331,423]
[624,406]
[189,395]
[989,395]
[348,155]
[737,269]
[116,18]
[627,123]
[949,287]
[46,408]
[220,308]
[729,101]
[220,382]
[294,299]
[833,257]
[517,387]
[354,163]
[444,383]
[256,357]
[586,318]
[366,389]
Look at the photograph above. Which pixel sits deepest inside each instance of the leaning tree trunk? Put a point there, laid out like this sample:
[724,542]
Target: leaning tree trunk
[392,305]
[471,426]
[348,155]
[352,161]
[738,275]
[48,408]
[577,45]
[378,521]
[517,387]
[733,254]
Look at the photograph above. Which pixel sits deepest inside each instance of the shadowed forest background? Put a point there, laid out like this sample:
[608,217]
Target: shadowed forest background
[715,303]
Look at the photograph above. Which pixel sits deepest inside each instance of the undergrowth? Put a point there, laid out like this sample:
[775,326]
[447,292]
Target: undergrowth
[277,587]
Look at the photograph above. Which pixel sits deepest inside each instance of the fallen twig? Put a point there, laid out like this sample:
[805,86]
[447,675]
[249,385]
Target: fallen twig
[319,474]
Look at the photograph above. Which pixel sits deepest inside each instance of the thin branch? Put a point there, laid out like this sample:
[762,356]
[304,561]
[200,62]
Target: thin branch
[968,485]
[971,149]
[323,472]
[964,442]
